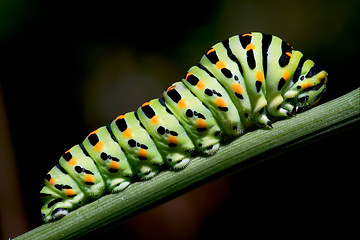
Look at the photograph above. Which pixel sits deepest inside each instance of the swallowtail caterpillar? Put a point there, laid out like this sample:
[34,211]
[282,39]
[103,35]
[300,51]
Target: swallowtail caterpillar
[247,80]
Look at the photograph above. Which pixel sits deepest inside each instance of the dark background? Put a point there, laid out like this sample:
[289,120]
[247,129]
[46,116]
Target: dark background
[69,67]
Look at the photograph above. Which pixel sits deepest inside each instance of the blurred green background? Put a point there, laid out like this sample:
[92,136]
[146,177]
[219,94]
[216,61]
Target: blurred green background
[69,67]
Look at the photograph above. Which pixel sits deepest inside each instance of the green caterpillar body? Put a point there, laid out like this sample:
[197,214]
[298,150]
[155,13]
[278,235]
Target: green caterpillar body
[246,80]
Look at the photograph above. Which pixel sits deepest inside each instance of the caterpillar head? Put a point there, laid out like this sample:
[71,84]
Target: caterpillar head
[308,88]
[313,89]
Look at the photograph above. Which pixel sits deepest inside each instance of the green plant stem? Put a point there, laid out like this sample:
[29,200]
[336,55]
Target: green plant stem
[255,146]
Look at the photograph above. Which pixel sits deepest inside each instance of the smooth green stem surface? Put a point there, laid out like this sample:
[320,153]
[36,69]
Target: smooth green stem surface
[248,149]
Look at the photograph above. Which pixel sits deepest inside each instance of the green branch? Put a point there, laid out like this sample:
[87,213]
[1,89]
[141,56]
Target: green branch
[285,136]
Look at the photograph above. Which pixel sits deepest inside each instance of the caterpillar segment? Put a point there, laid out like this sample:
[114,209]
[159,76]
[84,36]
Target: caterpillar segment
[220,62]
[109,158]
[246,80]
[250,56]
[170,137]
[196,118]
[139,147]
[209,91]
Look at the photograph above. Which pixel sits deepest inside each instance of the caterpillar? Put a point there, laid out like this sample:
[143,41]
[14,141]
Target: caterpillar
[247,80]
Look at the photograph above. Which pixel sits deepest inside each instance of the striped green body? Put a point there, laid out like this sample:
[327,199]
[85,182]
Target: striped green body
[247,80]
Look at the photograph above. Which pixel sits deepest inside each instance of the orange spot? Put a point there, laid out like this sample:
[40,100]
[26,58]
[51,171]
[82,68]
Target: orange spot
[220,102]
[188,74]
[259,76]
[143,153]
[220,64]
[155,119]
[306,85]
[210,51]
[120,117]
[173,139]
[52,181]
[89,178]
[70,192]
[289,54]
[72,161]
[99,146]
[237,88]
[170,88]
[200,84]
[246,34]
[286,75]
[182,103]
[127,133]
[145,104]
[249,47]
[200,123]
[114,165]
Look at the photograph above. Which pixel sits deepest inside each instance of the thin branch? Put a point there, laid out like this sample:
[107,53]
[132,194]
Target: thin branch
[251,148]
